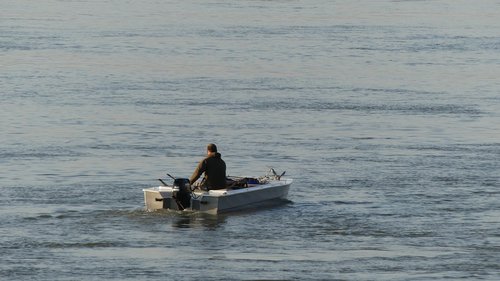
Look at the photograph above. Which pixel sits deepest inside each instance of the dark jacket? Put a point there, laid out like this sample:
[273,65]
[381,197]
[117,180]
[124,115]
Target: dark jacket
[215,172]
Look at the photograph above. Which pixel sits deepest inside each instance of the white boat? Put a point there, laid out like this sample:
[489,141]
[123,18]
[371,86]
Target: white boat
[246,192]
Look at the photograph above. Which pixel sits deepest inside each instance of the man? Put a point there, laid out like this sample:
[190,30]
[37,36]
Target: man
[214,168]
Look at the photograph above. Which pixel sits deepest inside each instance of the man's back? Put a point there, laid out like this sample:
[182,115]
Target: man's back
[215,172]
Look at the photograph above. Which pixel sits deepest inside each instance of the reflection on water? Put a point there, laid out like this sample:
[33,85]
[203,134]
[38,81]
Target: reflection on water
[190,219]
[196,220]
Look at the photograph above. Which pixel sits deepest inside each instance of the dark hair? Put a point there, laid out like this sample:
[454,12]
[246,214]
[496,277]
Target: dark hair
[212,147]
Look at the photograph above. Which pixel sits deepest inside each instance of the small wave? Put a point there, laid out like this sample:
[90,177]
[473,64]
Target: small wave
[31,244]
[425,109]
[481,148]
[96,244]
[39,217]
[39,153]
[351,202]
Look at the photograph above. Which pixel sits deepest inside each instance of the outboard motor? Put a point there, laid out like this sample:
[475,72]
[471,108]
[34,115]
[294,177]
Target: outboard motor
[183,196]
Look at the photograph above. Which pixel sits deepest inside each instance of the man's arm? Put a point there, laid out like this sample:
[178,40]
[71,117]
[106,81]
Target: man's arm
[198,171]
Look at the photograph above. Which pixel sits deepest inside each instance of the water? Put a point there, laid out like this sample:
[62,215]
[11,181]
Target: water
[386,114]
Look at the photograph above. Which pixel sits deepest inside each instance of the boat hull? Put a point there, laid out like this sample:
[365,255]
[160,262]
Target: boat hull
[218,201]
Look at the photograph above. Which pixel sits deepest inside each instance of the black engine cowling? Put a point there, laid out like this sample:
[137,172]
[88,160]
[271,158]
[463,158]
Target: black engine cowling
[183,196]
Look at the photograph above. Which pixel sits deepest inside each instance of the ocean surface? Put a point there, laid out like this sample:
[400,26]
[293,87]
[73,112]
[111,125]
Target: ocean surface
[385,113]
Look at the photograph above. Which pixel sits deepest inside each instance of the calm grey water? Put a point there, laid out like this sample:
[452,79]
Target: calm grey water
[386,114]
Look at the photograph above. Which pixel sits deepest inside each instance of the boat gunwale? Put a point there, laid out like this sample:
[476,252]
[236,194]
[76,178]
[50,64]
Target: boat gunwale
[225,192]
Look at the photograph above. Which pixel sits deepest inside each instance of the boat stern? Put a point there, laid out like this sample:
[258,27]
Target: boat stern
[157,198]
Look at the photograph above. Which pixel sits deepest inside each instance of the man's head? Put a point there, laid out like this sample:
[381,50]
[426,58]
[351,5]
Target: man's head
[211,148]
